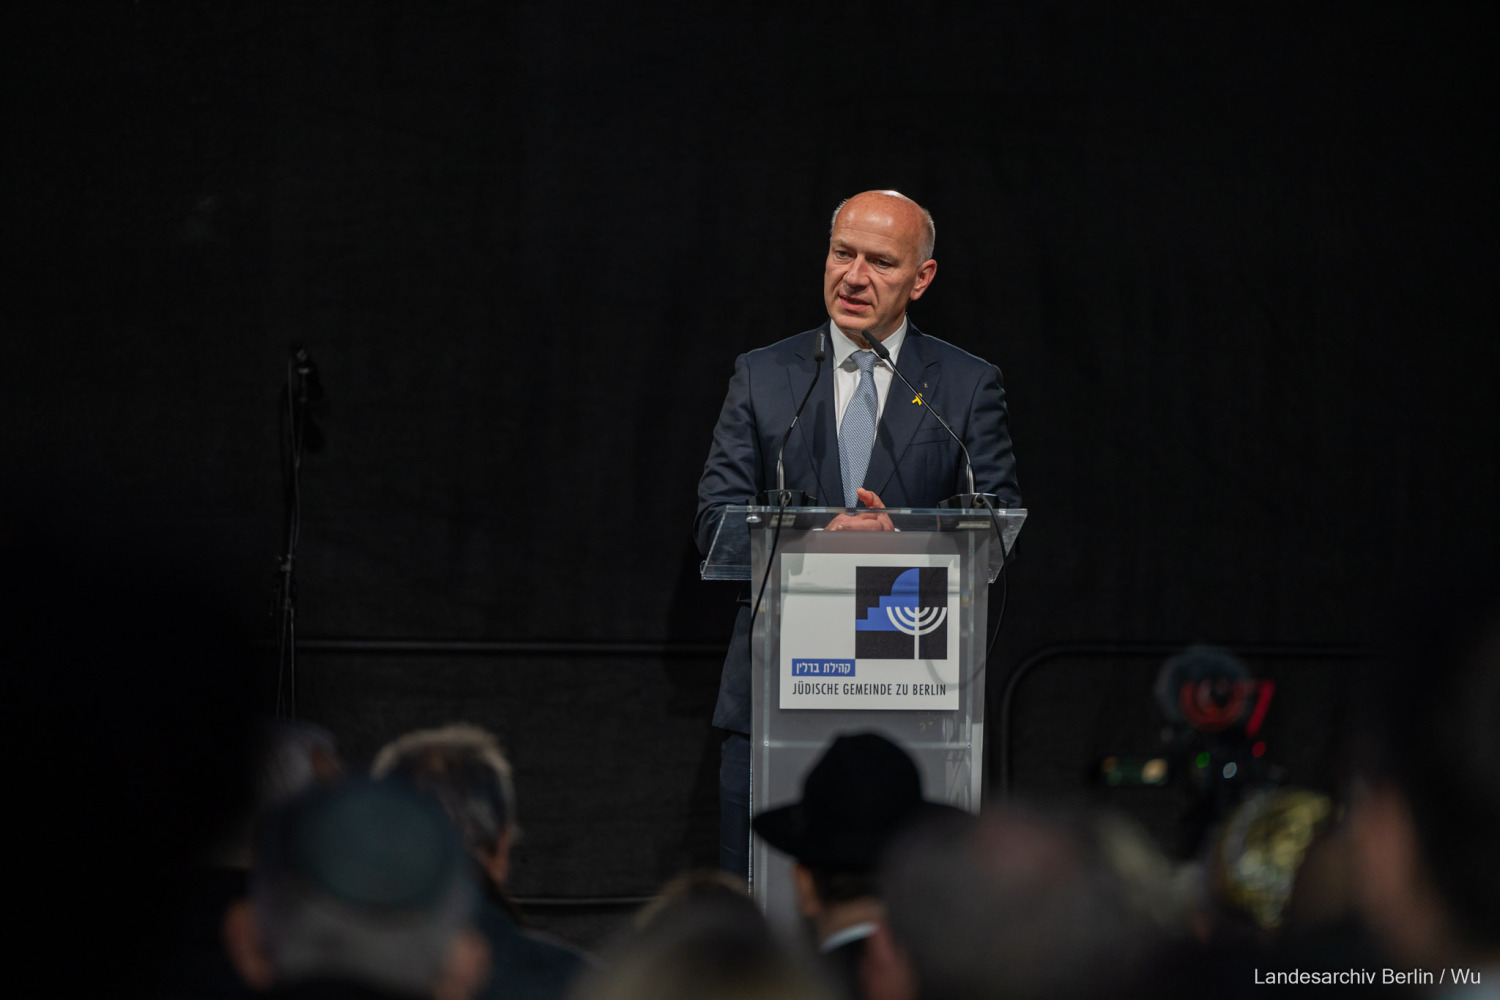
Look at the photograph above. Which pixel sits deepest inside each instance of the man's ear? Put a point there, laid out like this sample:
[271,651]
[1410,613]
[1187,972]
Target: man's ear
[246,948]
[885,969]
[465,969]
[497,861]
[809,903]
[925,274]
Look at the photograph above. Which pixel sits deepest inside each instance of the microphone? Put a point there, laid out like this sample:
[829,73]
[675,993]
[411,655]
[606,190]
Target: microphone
[969,499]
[304,389]
[310,389]
[783,497]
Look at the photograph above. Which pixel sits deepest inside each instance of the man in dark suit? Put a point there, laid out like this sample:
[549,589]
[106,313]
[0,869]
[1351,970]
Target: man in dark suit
[864,441]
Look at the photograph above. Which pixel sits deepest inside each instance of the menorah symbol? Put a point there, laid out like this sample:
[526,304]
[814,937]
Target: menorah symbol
[915,622]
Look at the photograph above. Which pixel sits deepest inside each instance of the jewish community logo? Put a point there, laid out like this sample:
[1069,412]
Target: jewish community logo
[901,614]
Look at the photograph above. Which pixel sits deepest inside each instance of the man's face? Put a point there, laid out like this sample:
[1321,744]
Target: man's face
[874,267]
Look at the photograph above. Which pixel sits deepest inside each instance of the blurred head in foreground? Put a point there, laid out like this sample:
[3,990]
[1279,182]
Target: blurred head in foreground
[1013,905]
[702,890]
[462,768]
[1426,826]
[364,882]
[703,938]
[290,757]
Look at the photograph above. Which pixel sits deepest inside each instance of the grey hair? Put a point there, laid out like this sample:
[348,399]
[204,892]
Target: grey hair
[465,767]
[928,242]
[286,766]
[319,938]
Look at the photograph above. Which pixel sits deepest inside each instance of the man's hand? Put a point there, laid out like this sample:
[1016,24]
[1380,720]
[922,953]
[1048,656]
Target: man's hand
[865,520]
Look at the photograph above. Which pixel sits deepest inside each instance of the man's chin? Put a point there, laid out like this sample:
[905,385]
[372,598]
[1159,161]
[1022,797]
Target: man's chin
[853,326]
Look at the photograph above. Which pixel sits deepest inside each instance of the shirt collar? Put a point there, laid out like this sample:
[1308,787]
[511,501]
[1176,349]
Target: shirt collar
[853,932]
[843,346]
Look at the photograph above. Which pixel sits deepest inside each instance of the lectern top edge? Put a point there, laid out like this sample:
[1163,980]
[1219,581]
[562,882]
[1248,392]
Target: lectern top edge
[729,555]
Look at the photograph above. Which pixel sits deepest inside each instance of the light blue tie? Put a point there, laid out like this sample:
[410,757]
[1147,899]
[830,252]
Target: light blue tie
[857,432]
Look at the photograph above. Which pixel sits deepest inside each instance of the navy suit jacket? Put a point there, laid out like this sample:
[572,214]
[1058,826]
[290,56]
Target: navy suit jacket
[914,462]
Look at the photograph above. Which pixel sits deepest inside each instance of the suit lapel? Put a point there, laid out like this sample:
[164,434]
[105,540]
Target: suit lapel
[817,429]
[901,416]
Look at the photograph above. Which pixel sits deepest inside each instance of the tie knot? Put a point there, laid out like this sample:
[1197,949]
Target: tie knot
[865,361]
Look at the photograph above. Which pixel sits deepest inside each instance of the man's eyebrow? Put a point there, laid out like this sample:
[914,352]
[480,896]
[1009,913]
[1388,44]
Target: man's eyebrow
[871,252]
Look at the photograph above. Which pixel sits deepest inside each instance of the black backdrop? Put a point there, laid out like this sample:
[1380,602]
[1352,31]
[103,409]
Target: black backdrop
[1239,267]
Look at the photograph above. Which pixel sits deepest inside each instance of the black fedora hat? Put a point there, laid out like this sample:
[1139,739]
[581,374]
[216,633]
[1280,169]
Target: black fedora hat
[861,793]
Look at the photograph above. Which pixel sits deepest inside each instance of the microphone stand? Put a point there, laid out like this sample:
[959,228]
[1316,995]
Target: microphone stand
[783,498]
[301,386]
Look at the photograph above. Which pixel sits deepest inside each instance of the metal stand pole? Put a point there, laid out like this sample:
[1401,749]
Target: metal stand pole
[301,388]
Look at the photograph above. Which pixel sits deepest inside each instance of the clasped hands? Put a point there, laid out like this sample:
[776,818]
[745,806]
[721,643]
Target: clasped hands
[865,520]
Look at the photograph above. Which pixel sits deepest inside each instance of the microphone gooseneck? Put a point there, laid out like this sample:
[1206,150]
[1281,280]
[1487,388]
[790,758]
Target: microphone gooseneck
[782,497]
[820,354]
[884,354]
[974,499]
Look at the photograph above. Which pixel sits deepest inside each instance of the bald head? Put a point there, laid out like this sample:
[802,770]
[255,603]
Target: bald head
[894,206]
[879,261]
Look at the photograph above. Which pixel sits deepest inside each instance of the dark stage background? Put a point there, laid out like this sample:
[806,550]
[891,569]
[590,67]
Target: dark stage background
[1238,265]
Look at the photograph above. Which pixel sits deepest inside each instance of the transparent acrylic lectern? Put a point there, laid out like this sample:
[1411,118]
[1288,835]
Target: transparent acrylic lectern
[862,630]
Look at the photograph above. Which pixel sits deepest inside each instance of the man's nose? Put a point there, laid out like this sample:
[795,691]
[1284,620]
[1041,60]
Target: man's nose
[856,272]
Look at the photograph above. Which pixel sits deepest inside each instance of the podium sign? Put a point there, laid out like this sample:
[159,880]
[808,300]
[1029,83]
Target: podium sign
[871,631]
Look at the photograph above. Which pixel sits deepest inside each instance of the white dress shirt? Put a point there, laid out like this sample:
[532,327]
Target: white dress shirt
[846,372]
